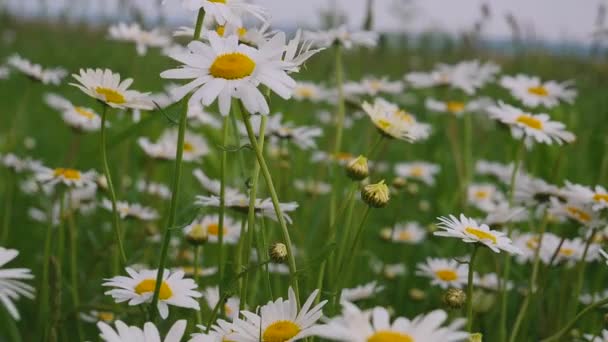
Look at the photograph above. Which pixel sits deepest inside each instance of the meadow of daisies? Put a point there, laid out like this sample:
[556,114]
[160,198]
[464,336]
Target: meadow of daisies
[231,182]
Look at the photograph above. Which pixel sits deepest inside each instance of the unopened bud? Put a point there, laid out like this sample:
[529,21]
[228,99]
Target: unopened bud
[454,298]
[278,252]
[357,169]
[196,234]
[376,195]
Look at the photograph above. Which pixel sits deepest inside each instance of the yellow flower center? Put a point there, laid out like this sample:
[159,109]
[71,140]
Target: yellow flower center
[481,234]
[218,1]
[567,251]
[83,112]
[405,116]
[111,95]
[579,214]
[221,29]
[241,32]
[530,121]
[70,174]
[404,236]
[383,124]
[148,285]
[305,92]
[532,243]
[198,232]
[343,156]
[446,274]
[214,229]
[454,106]
[280,331]
[227,309]
[538,91]
[105,316]
[188,147]
[375,85]
[482,194]
[389,336]
[417,171]
[600,197]
[232,66]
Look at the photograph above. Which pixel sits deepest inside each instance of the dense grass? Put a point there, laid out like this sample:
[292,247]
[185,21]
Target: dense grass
[77,47]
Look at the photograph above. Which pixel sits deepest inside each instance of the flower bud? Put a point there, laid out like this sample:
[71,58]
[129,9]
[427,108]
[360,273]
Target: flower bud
[357,169]
[399,182]
[376,195]
[476,337]
[417,294]
[196,234]
[454,298]
[278,252]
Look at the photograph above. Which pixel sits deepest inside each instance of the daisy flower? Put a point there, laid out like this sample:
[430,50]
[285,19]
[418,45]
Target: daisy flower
[603,337]
[143,39]
[490,281]
[533,191]
[467,76]
[532,92]
[201,271]
[35,71]
[95,316]
[470,231]
[409,233]
[309,91]
[312,187]
[597,197]
[138,288]
[209,226]
[394,122]
[303,136]
[165,147]
[220,331]
[79,118]
[231,306]
[576,211]
[342,158]
[280,320]
[484,196]
[495,169]
[155,189]
[226,11]
[149,333]
[69,177]
[531,127]
[12,286]
[444,273]
[360,292]
[354,325]
[373,86]
[458,108]
[529,242]
[502,213]
[418,170]
[389,271]
[343,36]
[572,250]
[105,86]
[224,69]
[135,210]
[4,72]
[18,164]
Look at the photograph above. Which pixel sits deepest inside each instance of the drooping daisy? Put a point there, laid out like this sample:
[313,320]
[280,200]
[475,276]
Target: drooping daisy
[355,325]
[280,321]
[597,197]
[226,11]
[409,233]
[66,176]
[418,170]
[219,332]
[35,71]
[155,189]
[467,76]
[105,86]
[195,146]
[12,286]
[231,306]
[531,127]
[224,69]
[149,333]
[458,108]
[310,91]
[444,273]
[312,187]
[143,39]
[360,292]
[343,36]
[209,226]
[532,92]
[135,210]
[139,287]
[484,196]
[302,136]
[472,232]
[394,122]
[80,118]
[372,86]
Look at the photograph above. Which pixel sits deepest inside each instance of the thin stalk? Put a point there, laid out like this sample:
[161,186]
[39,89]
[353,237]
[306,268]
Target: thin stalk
[557,336]
[581,269]
[107,174]
[262,256]
[222,209]
[275,202]
[470,290]
[74,266]
[341,112]
[251,213]
[44,286]
[467,155]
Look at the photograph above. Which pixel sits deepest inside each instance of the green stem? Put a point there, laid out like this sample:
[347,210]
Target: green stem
[341,105]
[275,202]
[107,174]
[74,266]
[222,209]
[470,289]
[467,154]
[44,286]
[199,24]
[251,213]
[557,336]
[581,269]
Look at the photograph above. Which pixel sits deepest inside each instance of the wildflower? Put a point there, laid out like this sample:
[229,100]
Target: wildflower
[418,170]
[149,333]
[11,285]
[376,195]
[220,331]
[470,231]
[361,292]
[309,91]
[458,108]
[394,122]
[372,86]
[532,92]
[66,176]
[231,306]
[344,37]
[454,298]
[443,272]
[142,38]
[35,71]
[278,252]
[302,136]
[409,232]
[208,227]
[597,197]
[166,146]
[79,118]
[467,76]
[135,210]
[357,169]
[484,196]
[226,11]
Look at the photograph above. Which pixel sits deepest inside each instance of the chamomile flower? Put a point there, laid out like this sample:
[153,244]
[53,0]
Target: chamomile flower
[495,169]
[224,69]
[458,108]
[597,197]
[355,325]
[149,333]
[19,164]
[226,11]
[155,189]
[195,146]
[312,187]
[418,170]
[534,191]
[310,91]
[533,92]
[105,86]
[36,71]
[209,226]
[141,38]
[597,338]
[220,331]
[490,281]
[444,273]
[372,86]
[408,233]
[472,232]
[231,306]
[343,36]
[467,76]
[280,320]
[531,127]
[572,251]
[138,288]
[69,177]
[361,292]
[394,122]
[302,136]
[79,118]
[528,243]
[576,211]
[134,210]
[12,286]
[484,196]
[95,316]
[389,271]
